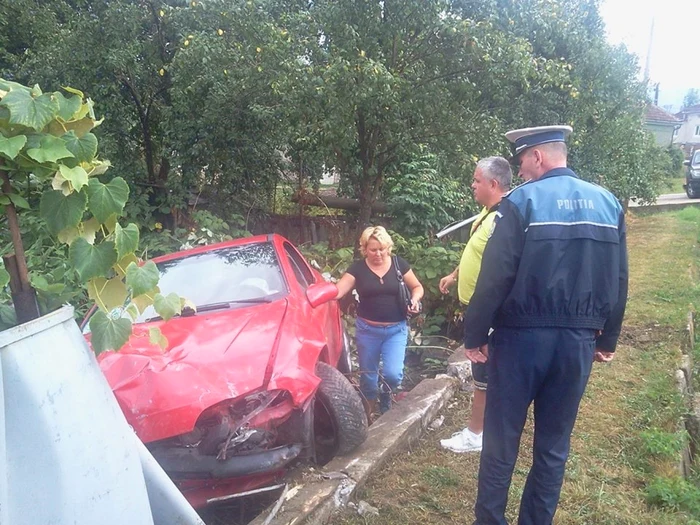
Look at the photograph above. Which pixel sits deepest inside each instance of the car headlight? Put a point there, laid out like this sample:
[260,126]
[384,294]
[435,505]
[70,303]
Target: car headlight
[695,174]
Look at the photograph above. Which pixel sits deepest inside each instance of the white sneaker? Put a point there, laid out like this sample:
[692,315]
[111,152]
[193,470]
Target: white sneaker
[463,441]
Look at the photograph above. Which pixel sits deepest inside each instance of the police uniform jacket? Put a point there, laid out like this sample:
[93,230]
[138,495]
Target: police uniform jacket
[557,257]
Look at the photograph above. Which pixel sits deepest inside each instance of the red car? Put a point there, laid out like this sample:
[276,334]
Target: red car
[251,381]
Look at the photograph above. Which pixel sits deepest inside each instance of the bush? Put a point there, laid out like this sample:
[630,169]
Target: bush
[674,494]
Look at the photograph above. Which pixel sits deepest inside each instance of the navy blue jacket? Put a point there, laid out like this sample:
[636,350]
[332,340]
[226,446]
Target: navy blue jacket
[557,258]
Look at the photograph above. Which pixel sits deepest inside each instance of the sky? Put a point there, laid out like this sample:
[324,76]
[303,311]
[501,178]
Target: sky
[674,61]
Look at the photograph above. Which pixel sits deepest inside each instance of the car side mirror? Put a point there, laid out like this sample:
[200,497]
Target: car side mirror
[321,293]
[686,163]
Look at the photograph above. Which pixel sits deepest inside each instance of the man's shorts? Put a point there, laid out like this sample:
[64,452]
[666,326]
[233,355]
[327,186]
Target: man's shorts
[480,375]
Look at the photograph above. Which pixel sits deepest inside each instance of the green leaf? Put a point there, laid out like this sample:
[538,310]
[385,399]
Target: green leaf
[156,337]
[126,239]
[107,199]
[122,264]
[77,176]
[51,149]
[144,300]
[18,201]
[107,293]
[4,200]
[108,333]
[92,260]
[27,110]
[39,282]
[142,279]
[83,148]
[10,147]
[62,211]
[4,277]
[167,306]
[68,106]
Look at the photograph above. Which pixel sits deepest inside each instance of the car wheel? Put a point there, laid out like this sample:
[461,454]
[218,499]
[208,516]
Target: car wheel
[344,362]
[690,191]
[340,422]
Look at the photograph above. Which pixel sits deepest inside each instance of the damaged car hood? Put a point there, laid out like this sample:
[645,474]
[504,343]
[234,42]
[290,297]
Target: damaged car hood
[210,357]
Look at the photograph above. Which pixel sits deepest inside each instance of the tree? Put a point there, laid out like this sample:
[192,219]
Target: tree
[379,80]
[47,147]
[691,98]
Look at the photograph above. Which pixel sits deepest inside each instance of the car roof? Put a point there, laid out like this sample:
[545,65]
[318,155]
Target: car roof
[270,237]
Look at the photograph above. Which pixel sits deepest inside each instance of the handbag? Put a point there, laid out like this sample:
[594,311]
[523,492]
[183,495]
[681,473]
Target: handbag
[404,293]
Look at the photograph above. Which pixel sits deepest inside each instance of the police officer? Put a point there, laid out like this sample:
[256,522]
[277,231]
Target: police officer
[553,285]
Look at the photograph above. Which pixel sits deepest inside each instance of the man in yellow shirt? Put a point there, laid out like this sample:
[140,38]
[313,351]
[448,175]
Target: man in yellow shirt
[492,179]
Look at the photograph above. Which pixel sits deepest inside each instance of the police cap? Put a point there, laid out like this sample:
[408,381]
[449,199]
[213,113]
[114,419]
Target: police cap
[524,138]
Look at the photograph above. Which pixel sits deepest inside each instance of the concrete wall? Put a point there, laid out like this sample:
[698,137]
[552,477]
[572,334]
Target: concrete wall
[663,133]
[686,133]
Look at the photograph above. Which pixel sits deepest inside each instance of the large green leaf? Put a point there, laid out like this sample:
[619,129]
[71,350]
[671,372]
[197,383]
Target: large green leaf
[92,260]
[68,106]
[107,199]
[83,148]
[142,279]
[156,337]
[107,293]
[27,110]
[11,147]
[126,239]
[108,333]
[167,306]
[4,277]
[77,176]
[19,201]
[62,211]
[51,149]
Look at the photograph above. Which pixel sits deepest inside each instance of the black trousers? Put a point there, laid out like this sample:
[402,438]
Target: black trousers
[547,366]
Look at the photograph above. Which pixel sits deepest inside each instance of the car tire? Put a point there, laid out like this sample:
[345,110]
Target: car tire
[339,414]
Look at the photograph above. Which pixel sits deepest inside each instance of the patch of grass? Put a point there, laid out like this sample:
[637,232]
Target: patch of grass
[675,494]
[440,477]
[675,185]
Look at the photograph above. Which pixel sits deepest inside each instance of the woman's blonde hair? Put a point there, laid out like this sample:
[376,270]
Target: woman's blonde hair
[377,233]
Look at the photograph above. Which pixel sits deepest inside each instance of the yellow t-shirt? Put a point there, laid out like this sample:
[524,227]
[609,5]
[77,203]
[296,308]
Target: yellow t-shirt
[470,263]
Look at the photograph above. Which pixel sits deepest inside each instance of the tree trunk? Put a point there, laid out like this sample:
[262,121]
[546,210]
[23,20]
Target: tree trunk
[23,295]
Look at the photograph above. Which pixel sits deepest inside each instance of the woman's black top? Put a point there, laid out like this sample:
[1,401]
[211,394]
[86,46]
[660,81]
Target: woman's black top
[379,297]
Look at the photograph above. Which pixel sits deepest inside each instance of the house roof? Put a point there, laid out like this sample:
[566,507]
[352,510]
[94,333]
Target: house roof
[690,109]
[656,114]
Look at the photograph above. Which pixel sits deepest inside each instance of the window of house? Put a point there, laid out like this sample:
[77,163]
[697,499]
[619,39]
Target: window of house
[697,131]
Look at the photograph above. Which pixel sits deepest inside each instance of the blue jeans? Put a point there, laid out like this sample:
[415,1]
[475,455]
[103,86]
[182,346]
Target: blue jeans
[380,343]
[547,366]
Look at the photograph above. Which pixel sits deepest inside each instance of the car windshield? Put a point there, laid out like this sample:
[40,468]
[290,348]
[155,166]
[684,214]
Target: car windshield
[223,278]
[696,159]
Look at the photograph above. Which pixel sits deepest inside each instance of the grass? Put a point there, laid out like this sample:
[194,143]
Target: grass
[622,467]
[675,185]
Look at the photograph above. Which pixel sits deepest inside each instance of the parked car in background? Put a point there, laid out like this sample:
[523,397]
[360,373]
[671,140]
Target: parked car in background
[252,379]
[692,175]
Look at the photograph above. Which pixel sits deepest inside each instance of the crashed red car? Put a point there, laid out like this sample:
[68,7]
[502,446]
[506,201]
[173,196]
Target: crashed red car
[251,381]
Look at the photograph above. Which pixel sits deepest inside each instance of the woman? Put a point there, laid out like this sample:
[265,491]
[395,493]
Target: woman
[381,330]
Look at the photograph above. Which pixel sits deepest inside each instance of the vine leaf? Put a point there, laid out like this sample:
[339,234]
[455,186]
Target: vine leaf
[107,293]
[142,279]
[90,260]
[126,239]
[108,333]
[29,110]
[10,147]
[62,211]
[108,199]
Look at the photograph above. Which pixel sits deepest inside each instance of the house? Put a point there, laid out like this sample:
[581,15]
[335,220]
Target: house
[662,124]
[688,135]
